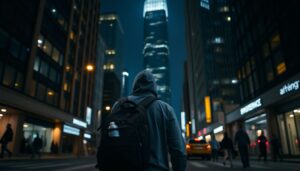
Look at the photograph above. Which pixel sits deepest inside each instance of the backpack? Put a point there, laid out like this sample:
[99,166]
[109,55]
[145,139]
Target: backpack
[125,139]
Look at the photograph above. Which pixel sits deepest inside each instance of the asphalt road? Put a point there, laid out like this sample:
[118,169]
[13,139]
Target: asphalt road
[87,164]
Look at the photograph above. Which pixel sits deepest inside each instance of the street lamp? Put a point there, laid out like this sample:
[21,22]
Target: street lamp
[90,67]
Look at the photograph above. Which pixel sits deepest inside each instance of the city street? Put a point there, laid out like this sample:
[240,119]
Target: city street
[84,164]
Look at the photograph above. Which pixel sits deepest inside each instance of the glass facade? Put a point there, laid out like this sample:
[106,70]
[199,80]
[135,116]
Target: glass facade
[156,49]
[289,127]
[254,128]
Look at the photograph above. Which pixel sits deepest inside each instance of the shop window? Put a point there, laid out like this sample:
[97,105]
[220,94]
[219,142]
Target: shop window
[37,63]
[9,75]
[41,91]
[269,71]
[14,48]
[55,55]
[47,48]
[254,128]
[266,50]
[279,63]
[3,38]
[293,130]
[19,81]
[282,133]
[275,41]
[44,68]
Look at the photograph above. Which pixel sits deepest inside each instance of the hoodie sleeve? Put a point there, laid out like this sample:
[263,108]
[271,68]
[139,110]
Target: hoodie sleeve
[175,141]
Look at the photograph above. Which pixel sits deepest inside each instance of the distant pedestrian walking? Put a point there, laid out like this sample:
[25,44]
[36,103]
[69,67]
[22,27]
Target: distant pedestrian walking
[36,146]
[243,142]
[276,147]
[262,143]
[6,138]
[215,148]
[227,147]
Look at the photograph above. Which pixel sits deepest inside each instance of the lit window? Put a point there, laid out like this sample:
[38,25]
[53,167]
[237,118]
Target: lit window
[36,64]
[224,9]
[55,55]
[47,48]
[72,35]
[275,41]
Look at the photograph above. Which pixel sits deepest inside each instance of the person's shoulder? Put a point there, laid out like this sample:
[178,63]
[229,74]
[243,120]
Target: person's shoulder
[163,104]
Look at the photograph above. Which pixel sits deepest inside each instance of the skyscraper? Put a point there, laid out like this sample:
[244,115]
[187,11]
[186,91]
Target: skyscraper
[156,49]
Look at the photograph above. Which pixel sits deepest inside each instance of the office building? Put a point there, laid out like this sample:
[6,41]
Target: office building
[112,32]
[156,48]
[210,64]
[47,56]
[266,46]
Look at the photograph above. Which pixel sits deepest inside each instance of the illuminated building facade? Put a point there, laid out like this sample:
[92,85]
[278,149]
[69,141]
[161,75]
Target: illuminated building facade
[156,48]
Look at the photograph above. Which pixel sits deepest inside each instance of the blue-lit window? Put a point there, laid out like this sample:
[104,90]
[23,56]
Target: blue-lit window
[204,4]
[37,63]
[44,68]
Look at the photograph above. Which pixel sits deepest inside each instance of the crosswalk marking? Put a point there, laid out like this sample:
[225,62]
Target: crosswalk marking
[199,165]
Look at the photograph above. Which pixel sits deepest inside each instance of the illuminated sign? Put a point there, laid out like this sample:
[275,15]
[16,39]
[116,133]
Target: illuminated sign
[218,129]
[71,130]
[207,109]
[254,105]
[86,135]
[183,120]
[88,117]
[79,123]
[289,87]
[204,4]
[187,130]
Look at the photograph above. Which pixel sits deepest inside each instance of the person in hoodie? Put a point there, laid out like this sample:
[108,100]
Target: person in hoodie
[165,134]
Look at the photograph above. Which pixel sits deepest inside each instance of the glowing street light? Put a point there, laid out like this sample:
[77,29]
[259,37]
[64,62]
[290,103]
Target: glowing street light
[90,67]
[107,108]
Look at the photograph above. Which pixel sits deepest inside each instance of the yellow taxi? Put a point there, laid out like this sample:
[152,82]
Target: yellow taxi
[196,147]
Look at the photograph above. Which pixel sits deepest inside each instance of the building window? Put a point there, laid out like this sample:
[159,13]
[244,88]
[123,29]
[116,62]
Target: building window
[269,70]
[53,75]
[279,63]
[275,41]
[3,39]
[44,68]
[266,50]
[37,63]
[19,81]
[55,55]
[9,76]
[14,47]
[47,48]
[41,91]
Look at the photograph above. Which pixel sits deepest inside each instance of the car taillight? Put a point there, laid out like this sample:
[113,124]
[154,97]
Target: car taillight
[187,146]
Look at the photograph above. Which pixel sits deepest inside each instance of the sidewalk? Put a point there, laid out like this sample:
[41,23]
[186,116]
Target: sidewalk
[44,157]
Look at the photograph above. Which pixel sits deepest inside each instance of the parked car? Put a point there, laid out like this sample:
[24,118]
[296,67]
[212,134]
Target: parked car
[198,148]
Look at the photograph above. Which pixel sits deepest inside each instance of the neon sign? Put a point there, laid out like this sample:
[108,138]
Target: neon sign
[253,105]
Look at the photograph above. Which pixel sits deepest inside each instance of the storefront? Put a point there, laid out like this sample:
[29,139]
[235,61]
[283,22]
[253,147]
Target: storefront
[254,127]
[275,113]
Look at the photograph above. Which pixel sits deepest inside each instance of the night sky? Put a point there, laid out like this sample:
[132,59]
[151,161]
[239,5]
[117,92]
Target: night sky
[131,16]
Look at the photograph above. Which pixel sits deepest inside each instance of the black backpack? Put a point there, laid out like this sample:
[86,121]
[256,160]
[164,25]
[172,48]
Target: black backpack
[129,147]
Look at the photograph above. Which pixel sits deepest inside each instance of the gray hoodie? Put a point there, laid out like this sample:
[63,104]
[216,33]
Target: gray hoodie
[165,133]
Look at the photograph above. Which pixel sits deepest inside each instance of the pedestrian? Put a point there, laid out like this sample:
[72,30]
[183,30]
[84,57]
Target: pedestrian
[242,140]
[276,147]
[6,138]
[165,136]
[227,147]
[37,146]
[262,144]
[215,148]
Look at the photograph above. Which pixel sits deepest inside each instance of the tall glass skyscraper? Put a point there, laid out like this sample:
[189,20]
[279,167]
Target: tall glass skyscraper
[156,49]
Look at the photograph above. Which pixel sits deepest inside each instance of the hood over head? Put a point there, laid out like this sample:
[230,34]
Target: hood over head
[144,82]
